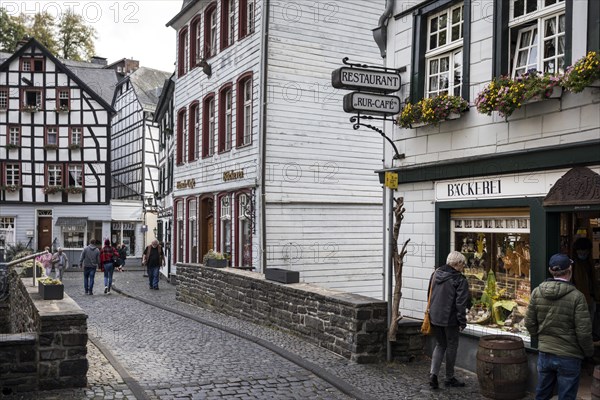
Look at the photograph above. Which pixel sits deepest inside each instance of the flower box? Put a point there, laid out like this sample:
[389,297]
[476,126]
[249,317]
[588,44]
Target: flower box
[62,109]
[432,110]
[215,263]
[282,275]
[12,146]
[31,109]
[11,188]
[450,117]
[555,93]
[53,189]
[74,146]
[51,146]
[74,190]
[51,291]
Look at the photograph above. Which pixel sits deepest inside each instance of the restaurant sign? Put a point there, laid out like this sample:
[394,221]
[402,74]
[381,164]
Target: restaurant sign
[368,103]
[365,79]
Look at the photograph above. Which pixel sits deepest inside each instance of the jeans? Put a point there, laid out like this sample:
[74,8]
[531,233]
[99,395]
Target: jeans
[153,276]
[108,274]
[446,338]
[88,278]
[564,371]
[58,271]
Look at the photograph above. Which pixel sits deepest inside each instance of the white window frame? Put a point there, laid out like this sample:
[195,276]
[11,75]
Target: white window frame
[211,127]
[228,120]
[63,94]
[55,175]
[77,171]
[231,21]
[531,21]
[225,215]
[192,230]
[77,136]
[14,135]
[3,99]
[250,6]
[12,174]
[213,33]
[452,49]
[247,124]
[52,132]
[196,131]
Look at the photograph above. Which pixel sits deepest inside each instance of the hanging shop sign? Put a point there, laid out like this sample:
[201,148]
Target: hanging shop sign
[368,103]
[391,180]
[365,79]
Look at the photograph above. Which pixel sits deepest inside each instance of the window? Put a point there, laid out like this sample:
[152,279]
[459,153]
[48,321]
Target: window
[3,98]
[76,137]
[183,56]
[180,234]
[244,111]
[538,36]
[75,176]
[440,65]
[62,101]
[246,20]
[194,134]
[225,119]
[52,136]
[12,174]
[54,175]
[244,242]
[210,31]
[195,42]
[32,64]
[227,22]
[7,232]
[32,98]
[181,135]
[192,231]
[225,216]
[497,247]
[14,136]
[444,52]
[208,126]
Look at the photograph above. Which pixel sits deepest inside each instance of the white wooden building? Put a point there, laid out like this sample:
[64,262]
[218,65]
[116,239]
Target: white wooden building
[54,150]
[268,168]
[486,185]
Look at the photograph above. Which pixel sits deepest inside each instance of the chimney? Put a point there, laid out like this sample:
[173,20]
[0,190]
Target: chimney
[99,61]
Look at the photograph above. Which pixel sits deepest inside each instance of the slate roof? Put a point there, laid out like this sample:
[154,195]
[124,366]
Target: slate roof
[148,84]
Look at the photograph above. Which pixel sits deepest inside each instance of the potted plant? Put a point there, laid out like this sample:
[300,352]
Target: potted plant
[215,259]
[53,189]
[74,189]
[74,146]
[31,108]
[51,289]
[50,146]
[432,110]
[62,108]
[583,73]
[11,188]
[12,146]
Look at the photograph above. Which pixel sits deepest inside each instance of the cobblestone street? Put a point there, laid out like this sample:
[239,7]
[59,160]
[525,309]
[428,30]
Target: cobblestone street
[179,352]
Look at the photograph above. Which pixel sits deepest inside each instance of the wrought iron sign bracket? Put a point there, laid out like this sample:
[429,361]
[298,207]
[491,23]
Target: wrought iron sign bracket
[346,60]
[355,120]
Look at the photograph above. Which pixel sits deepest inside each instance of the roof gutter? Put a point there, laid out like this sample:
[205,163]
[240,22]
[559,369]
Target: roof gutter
[380,33]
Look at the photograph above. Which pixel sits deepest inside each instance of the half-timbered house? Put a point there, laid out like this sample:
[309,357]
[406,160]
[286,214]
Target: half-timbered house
[54,149]
[268,168]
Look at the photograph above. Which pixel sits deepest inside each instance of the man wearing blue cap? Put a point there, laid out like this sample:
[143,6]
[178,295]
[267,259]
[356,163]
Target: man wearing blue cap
[558,317]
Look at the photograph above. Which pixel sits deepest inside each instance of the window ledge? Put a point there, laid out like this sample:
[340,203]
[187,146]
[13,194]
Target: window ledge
[450,117]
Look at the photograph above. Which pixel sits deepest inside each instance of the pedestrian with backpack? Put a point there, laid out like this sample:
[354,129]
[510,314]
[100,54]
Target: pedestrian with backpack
[109,258]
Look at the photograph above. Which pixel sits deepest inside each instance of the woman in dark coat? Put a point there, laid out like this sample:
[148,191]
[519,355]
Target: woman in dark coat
[447,312]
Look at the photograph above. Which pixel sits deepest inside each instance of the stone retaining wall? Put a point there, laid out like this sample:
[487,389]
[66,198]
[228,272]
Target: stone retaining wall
[351,325]
[46,346]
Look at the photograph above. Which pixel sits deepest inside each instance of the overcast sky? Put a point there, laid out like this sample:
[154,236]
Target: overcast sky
[132,29]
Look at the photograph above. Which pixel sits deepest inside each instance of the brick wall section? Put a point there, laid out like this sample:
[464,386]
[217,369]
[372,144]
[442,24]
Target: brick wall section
[46,346]
[351,325]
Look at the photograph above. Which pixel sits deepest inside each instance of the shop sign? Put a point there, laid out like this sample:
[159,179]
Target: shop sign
[368,103]
[187,184]
[365,79]
[518,185]
[233,175]
[391,180]
[126,226]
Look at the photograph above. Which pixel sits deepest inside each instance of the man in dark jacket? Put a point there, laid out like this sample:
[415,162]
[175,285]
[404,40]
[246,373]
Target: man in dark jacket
[447,313]
[558,317]
[153,258]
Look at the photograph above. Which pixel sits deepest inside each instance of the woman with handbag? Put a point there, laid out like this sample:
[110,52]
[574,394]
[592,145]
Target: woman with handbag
[448,303]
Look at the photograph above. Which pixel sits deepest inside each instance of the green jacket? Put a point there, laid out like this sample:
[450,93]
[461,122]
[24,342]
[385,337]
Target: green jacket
[558,316]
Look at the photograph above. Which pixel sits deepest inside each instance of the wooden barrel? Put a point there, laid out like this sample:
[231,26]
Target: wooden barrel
[596,383]
[502,368]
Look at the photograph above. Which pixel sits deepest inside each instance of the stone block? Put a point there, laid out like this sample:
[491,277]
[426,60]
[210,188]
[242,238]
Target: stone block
[313,323]
[26,355]
[73,368]
[53,354]
[363,314]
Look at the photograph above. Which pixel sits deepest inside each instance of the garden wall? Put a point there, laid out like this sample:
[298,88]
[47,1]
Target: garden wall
[46,344]
[351,325]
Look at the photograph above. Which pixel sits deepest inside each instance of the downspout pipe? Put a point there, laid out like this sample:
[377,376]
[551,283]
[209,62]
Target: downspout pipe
[380,33]
[263,132]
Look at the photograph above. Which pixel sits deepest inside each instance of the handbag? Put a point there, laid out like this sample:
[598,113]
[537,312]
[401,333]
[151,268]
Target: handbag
[426,325]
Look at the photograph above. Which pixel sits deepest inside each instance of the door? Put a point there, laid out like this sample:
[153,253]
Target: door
[44,232]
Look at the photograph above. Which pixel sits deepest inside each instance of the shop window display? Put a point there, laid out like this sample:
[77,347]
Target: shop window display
[497,249]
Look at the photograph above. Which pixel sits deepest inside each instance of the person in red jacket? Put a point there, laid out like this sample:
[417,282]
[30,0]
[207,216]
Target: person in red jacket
[108,255]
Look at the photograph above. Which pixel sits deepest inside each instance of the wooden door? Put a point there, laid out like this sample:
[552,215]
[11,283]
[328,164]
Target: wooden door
[44,232]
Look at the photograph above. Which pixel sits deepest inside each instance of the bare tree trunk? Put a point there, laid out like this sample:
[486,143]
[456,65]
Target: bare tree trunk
[398,264]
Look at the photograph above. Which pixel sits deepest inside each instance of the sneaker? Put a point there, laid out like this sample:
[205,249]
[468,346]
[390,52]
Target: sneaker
[91,293]
[87,292]
[433,381]
[105,289]
[454,383]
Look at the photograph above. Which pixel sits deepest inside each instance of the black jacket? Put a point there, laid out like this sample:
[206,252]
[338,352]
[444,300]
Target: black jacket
[449,297]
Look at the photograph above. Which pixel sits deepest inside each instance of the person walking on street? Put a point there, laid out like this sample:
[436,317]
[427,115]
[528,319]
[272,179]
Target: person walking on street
[558,317]
[108,255]
[60,261]
[46,261]
[123,256]
[89,261]
[153,259]
[447,313]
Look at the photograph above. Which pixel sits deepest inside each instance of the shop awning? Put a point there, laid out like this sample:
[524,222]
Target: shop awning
[71,221]
[578,187]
